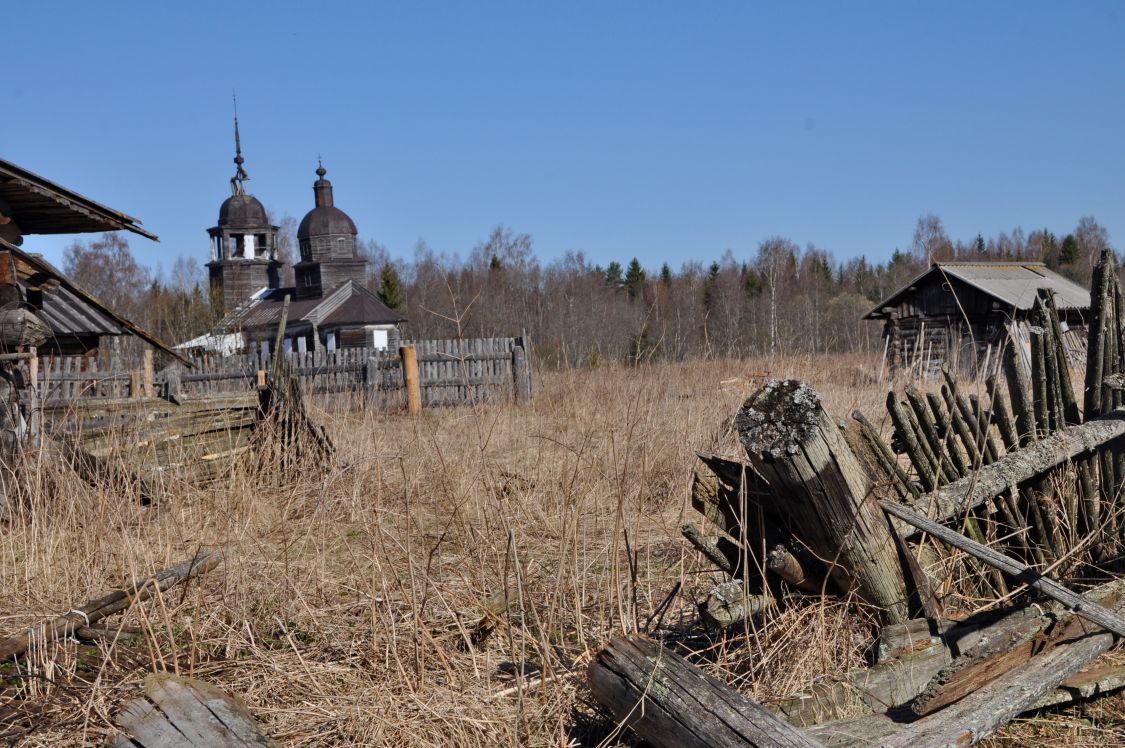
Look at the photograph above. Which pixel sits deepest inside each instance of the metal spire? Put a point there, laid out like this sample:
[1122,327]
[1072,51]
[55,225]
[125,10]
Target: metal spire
[240,176]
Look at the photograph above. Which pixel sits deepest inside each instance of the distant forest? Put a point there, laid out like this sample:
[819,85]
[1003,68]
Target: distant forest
[780,299]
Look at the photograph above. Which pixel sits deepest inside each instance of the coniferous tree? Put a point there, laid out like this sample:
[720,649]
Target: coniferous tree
[634,279]
[613,276]
[666,274]
[390,288]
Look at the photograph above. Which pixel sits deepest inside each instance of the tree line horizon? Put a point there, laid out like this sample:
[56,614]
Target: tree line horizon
[780,299]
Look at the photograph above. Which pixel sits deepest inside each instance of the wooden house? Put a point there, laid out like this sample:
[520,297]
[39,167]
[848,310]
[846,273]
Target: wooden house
[961,313]
[76,321]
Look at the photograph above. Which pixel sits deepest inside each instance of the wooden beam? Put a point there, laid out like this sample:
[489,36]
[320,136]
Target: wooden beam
[114,602]
[670,704]
[1021,466]
[1080,605]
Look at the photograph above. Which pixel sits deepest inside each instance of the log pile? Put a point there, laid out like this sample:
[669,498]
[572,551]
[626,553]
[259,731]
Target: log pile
[199,440]
[1011,494]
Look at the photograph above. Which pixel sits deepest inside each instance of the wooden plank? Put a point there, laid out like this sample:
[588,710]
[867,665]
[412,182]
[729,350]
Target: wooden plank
[1079,604]
[187,713]
[670,703]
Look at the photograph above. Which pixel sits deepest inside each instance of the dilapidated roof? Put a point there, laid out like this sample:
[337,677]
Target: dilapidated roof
[40,206]
[67,309]
[1013,284]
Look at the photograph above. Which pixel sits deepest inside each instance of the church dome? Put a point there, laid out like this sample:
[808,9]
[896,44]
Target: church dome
[242,212]
[325,218]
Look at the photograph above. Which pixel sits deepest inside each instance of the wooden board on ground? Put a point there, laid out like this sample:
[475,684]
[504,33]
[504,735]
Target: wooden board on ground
[186,713]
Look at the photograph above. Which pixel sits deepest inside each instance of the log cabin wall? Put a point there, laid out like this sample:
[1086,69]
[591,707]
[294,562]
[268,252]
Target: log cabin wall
[945,321]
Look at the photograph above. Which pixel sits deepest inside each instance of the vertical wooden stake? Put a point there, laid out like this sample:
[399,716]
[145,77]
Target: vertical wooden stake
[134,384]
[410,378]
[147,374]
[793,443]
[521,375]
[261,377]
[34,411]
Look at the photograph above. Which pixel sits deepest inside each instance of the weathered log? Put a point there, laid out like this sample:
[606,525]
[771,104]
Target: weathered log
[114,602]
[1081,605]
[670,703]
[913,446]
[926,420]
[1019,390]
[1022,465]
[186,713]
[996,655]
[22,327]
[729,604]
[797,569]
[704,545]
[902,481]
[793,443]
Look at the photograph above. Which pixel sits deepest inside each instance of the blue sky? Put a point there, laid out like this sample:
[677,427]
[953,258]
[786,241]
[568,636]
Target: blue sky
[666,131]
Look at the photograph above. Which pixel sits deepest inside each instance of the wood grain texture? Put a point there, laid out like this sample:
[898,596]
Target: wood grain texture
[671,704]
[186,713]
[800,451]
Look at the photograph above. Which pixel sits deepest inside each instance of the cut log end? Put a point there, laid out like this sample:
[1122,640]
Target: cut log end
[777,419]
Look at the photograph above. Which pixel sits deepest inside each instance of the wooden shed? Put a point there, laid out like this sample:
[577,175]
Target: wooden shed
[961,312]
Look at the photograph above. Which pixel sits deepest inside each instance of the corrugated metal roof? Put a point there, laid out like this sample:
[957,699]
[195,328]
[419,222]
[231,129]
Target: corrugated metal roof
[1012,283]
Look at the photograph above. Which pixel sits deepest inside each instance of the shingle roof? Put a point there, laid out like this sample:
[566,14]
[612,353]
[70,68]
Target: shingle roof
[1011,283]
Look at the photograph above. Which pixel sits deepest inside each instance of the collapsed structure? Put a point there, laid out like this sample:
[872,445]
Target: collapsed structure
[971,551]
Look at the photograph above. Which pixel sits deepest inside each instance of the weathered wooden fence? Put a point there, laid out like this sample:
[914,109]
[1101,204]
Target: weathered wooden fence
[451,372]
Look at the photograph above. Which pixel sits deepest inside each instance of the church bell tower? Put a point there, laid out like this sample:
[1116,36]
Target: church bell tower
[243,243]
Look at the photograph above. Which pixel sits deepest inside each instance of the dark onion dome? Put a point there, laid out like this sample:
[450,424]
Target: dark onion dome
[325,218]
[242,212]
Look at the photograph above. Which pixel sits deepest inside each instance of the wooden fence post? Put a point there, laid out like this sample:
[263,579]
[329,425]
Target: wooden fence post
[147,374]
[410,378]
[134,384]
[33,406]
[795,445]
[521,375]
[172,382]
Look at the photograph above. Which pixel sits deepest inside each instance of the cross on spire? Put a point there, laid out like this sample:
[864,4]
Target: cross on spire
[240,176]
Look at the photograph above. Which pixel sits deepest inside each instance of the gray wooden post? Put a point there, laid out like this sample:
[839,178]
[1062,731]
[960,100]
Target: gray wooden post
[793,443]
[520,375]
[172,382]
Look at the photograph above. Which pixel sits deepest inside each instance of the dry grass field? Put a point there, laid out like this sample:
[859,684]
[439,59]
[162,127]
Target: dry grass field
[347,609]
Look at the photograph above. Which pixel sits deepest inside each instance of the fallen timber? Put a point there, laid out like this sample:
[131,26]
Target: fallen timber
[108,604]
[671,704]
